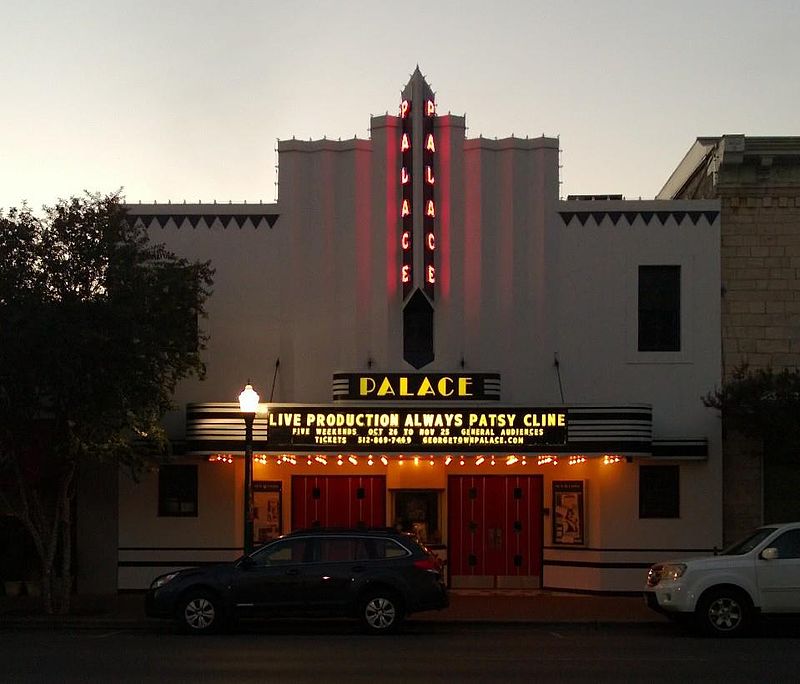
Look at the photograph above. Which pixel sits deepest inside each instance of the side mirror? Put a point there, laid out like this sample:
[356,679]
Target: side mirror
[770,553]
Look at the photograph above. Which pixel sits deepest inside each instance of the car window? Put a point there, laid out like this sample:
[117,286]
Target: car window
[283,552]
[386,548]
[749,543]
[341,549]
[788,544]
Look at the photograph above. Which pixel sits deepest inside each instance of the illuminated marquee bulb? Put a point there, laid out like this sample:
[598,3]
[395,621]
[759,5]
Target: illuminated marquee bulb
[576,460]
[511,460]
[416,460]
[339,460]
[461,461]
[492,463]
[448,460]
[309,460]
[479,460]
[384,460]
[319,458]
[610,459]
[353,460]
[430,461]
[524,461]
[369,460]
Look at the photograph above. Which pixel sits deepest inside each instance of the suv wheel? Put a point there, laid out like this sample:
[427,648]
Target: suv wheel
[200,612]
[724,613]
[381,612]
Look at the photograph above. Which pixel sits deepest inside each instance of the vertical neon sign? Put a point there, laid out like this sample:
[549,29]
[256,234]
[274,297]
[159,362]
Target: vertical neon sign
[429,202]
[406,202]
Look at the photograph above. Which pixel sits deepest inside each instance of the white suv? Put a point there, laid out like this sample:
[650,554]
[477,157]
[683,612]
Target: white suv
[760,574]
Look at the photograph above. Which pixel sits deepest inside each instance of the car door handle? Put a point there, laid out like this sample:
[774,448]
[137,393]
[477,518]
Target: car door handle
[292,571]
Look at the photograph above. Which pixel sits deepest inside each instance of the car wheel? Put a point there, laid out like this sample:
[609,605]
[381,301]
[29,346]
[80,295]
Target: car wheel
[381,612]
[200,612]
[725,613]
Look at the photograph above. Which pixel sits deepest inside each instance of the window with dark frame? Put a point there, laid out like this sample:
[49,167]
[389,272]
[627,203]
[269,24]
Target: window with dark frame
[177,491]
[659,491]
[659,308]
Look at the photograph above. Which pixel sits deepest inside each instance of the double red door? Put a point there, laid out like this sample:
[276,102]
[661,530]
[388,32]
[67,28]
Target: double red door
[338,501]
[495,530]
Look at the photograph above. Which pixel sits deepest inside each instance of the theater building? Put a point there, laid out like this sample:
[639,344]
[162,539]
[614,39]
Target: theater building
[443,345]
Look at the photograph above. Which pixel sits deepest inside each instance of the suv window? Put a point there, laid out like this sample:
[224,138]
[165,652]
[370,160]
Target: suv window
[387,548]
[748,544]
[788,544]
[284,551]
[341,549]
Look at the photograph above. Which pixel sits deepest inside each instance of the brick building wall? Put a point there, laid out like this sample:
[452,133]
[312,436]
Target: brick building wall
[757,181]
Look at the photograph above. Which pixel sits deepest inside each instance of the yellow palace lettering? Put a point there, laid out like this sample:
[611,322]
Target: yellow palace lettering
[402,387]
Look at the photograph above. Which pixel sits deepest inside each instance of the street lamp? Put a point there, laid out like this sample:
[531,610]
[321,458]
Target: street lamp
[248,404]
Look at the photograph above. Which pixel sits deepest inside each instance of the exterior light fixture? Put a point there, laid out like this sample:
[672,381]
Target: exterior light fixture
[511,460]
[384,460]
[248,405]
[479,460]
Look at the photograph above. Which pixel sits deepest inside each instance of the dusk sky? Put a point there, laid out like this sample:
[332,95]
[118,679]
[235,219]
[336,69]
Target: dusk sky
[185,100]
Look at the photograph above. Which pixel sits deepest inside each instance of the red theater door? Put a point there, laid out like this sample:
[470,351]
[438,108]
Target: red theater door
[338,501]
[495,531]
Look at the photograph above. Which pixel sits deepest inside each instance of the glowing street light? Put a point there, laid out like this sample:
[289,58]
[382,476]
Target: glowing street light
[248,405]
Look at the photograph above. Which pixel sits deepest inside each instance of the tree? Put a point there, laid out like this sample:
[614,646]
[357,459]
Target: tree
[97,326]
[763,404]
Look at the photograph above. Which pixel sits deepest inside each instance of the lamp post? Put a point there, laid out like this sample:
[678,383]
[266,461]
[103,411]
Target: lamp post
[248,404]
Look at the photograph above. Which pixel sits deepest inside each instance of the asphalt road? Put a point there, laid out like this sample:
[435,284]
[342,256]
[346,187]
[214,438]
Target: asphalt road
[426,652]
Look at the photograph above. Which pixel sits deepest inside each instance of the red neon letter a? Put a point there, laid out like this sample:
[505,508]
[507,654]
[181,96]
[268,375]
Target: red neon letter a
[429,145]
[430,210]
[404,143]
[406,210]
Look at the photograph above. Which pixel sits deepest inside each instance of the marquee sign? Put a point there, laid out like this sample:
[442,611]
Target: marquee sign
[401,429]
[416,386]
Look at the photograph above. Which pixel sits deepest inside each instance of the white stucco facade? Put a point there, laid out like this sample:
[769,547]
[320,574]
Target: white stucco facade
[522,279]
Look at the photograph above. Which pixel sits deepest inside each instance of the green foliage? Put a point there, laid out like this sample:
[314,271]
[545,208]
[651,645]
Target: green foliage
[763,404]
[97,326]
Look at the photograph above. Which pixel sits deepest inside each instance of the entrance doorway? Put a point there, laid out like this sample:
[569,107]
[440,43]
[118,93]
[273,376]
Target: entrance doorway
[338,501]
[495,531]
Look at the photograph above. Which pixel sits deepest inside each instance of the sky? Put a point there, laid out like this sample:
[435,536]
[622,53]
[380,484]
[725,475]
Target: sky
[175,101]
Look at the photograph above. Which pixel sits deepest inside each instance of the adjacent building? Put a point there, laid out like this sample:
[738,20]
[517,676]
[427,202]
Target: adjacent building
[757,181]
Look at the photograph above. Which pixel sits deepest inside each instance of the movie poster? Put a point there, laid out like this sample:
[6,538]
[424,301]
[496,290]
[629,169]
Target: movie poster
[569,523]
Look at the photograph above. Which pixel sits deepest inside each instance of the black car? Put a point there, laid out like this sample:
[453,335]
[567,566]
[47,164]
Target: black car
[377,576]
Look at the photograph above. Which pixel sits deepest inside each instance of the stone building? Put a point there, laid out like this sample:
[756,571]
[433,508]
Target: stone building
[757,180]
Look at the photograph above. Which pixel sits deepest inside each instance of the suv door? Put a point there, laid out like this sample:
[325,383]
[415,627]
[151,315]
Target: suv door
[273,581]
[334,577]
[779,579]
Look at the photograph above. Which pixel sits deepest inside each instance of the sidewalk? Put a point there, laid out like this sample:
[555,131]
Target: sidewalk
[126,611]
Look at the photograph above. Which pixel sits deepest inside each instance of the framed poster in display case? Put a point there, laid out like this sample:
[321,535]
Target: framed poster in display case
[569,521]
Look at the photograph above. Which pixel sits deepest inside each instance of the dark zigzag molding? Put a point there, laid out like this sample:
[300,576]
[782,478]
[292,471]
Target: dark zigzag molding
[630,216]
[227,220]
